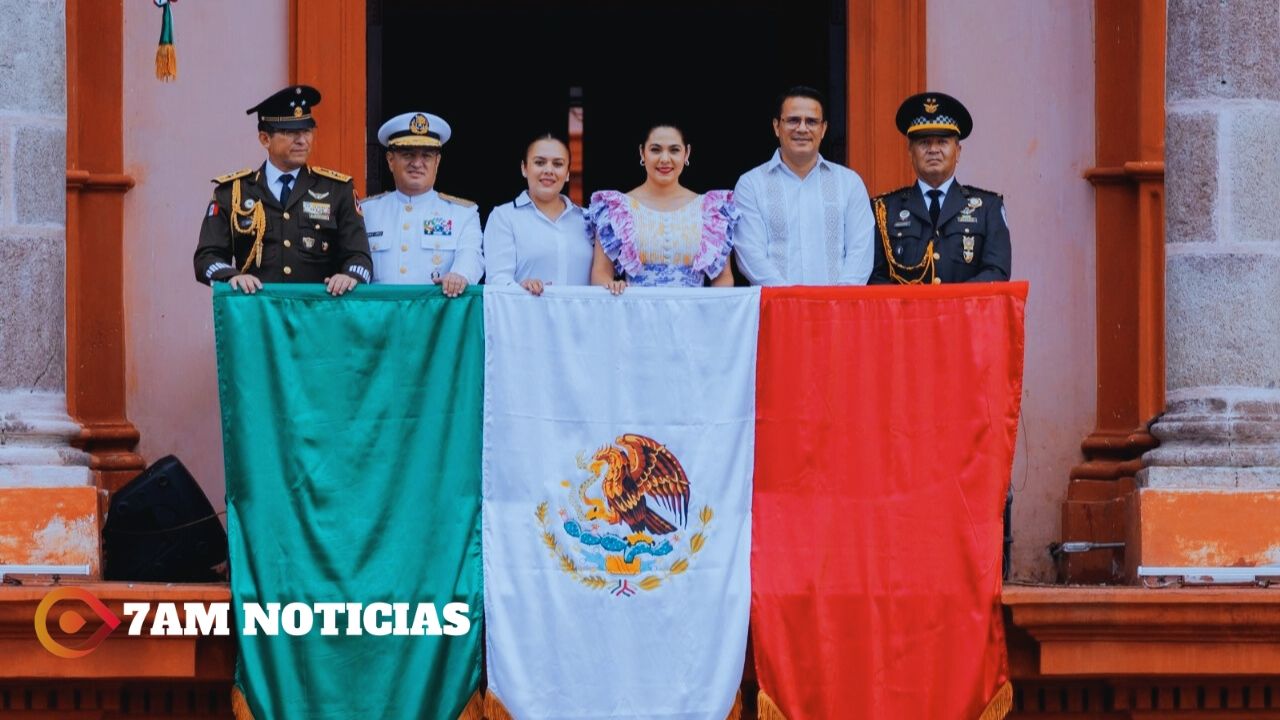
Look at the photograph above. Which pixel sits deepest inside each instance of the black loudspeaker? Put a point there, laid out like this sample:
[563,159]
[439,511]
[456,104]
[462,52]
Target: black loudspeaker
[161,528]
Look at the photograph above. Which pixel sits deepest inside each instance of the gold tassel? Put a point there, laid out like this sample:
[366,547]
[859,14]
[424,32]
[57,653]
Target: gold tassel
[735,712]
[240,705]
[1000,705]
[258,226]
[493,708]
[766,709]
[474,709]
[166,62]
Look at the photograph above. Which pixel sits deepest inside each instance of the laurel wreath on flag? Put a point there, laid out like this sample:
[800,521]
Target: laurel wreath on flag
[598,582]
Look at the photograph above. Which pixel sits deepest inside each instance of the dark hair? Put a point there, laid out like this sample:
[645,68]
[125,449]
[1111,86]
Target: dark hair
[683,139]
[545,136]
[801,91]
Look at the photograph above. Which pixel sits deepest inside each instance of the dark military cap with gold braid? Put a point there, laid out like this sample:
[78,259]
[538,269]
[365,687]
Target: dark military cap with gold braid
[933,113]
[289,109]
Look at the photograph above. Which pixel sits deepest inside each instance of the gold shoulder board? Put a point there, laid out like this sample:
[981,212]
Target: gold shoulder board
[232,176]
[458,201]
[331,174]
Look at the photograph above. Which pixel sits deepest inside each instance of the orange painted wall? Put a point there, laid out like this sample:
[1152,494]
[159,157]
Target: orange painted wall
[49,526]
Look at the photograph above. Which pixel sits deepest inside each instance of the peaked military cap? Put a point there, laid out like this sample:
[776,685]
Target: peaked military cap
[414,129]
[288,109]
[933,113]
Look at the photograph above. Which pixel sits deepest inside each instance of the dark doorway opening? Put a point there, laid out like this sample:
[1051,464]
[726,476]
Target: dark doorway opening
[502,71]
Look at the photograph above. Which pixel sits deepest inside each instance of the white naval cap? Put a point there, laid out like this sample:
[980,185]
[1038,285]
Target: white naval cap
[414,129]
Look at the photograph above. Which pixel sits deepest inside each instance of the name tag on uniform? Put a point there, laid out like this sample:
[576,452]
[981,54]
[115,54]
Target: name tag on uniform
[904,223]
[967,218]
[375,233]
[316,210]
[437,226]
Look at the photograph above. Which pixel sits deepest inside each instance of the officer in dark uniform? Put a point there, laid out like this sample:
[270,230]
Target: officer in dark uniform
[937,230]
[285,221]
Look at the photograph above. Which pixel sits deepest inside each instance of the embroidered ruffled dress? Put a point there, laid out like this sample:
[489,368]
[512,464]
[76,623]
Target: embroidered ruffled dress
[680,248]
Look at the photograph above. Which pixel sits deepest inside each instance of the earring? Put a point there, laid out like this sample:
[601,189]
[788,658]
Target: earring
[642,163]
[687,163]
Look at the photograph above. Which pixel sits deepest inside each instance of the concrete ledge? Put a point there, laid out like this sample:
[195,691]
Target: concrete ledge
[1131,631]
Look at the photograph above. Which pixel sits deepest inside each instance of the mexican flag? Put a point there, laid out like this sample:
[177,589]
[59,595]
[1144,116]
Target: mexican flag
[613,488]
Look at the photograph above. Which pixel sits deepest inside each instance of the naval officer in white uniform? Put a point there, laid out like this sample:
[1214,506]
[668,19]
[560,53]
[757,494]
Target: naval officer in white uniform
[418,235]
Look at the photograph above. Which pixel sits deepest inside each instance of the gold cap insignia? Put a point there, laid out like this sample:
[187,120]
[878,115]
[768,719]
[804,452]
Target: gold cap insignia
[419,125]
[931,105]
[297,112]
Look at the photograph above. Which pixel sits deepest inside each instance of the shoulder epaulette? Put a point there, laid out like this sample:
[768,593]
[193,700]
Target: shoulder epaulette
[982,190]
[331,174]
[458,201]
[902,189]
[232,176]
[374,197]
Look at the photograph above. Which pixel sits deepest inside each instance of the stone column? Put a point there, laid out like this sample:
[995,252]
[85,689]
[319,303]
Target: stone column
[1210,494]
[48,503]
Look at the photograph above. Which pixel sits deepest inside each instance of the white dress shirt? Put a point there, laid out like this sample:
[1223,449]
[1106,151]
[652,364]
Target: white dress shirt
[944,187]
[415,240]
[521,243]
[273,175]
[815,230]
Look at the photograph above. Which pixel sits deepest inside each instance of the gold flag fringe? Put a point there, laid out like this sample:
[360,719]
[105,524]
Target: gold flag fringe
[493,708]
[474,709]
[766,709]
[735,712]
[1000,705]
[166,62]
[240,705]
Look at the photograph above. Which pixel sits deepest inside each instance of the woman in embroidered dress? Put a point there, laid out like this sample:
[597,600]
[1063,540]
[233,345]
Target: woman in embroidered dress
[540,237]
[661,234]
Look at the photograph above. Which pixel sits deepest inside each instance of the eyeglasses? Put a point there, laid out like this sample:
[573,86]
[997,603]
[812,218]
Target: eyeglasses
[793,123]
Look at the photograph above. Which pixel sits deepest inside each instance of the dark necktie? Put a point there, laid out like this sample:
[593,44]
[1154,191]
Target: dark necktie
[286,182]
[935,205]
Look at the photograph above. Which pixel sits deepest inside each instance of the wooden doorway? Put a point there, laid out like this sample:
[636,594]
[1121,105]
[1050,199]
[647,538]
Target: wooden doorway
[502,71]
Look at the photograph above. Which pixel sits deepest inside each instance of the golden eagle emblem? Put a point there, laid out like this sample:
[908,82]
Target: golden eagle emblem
[418,124]
[634,526]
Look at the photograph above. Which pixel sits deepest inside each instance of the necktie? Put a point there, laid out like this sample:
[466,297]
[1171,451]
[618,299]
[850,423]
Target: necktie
[286,182]
[935,205]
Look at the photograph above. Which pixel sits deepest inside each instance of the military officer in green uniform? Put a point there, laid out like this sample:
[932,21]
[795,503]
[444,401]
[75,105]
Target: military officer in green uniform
[285,221]
[936,230]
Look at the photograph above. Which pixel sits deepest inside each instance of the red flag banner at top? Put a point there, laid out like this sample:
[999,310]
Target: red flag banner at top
[886,423]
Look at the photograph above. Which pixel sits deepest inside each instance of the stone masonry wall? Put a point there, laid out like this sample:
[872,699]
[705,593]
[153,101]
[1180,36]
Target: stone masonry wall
[33,122]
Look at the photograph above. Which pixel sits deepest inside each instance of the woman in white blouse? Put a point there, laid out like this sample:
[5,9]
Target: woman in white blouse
[540,238]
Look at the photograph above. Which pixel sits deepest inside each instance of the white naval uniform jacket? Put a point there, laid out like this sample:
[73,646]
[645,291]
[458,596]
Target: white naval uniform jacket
[414,240]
